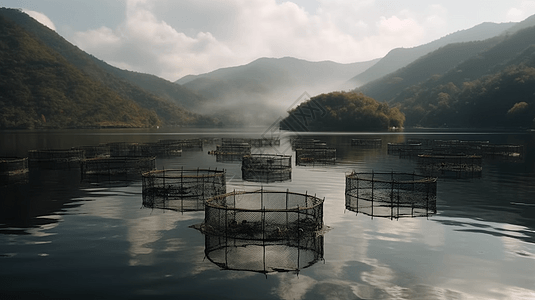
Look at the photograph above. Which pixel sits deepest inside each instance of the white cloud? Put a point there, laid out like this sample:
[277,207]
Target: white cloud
[521,12]
[41,18]
[151,40]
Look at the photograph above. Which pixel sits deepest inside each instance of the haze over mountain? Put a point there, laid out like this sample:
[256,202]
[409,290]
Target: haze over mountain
[265,88]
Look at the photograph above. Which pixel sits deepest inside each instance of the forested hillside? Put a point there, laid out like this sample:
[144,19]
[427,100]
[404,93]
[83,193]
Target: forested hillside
[343,111]
[165,107]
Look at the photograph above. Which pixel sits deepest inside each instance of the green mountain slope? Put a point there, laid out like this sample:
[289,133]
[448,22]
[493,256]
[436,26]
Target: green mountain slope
[494,88]
[401,57]
[39,88]
[164,98]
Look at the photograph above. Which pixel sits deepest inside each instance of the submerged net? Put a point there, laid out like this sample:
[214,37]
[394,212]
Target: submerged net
[391,194]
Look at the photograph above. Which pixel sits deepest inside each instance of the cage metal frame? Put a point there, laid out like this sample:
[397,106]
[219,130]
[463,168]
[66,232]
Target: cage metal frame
[182,189]
[391,194]
[266,168]
[263,215]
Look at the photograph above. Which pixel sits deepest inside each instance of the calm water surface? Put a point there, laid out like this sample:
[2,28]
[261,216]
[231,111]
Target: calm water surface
[62,237]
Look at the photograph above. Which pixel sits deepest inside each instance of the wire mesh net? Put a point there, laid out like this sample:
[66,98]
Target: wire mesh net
[264,256]
[392,195]
[457,166]
[94,151]
[55,158]
[367,143]
[266,215]
[117,165]
[266,168]
[184,144]
[315,156]
[13,169]
[182,190]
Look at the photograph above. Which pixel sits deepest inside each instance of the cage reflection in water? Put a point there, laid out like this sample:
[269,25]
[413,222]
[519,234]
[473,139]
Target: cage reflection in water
[450,166]
[55,158]
[266,168]
[263,214]
[392,195]
[182,190]
[116,168]
[13,170]
[263,255]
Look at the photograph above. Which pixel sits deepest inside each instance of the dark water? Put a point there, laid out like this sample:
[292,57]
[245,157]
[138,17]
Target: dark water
[62,237]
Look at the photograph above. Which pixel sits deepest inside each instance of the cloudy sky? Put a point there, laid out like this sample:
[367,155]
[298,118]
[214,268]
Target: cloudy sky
[174,38]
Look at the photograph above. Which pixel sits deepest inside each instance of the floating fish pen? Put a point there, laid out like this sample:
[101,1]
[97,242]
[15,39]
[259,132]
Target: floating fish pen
[391,195]
[264,256]
[265,142]
[266,168]
[367,143]
[55,158]
[116,168]
[160,150]
[315,156]
[185,144]
[94,151]
[451,166]
[405,150]
[302,143]
[503,151]
[123,149]
[263,215]
[230,151]
[13,169]
[182,190]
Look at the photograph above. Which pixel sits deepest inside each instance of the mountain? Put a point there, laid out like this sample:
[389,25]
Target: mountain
[150,92]
[401,57]
[493,88]
[428,66]
[41,89]
[262,90]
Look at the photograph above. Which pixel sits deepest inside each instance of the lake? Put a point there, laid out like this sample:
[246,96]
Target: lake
[63,237]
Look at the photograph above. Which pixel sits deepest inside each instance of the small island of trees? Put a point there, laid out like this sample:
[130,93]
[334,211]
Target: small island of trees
[343,111]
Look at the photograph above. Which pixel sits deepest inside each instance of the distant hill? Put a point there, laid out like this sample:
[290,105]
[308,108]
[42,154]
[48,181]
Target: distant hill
[493,88]
[401,57]
[165,98]
[262,90]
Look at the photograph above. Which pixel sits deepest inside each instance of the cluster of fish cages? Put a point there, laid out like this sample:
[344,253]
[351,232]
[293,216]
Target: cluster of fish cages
[263,215]
[182,190]
[367,143]
[55,158]
[264,255]
[266,168]
[392,195]
[450,166]
[13,169]
[414,147]
[116,168]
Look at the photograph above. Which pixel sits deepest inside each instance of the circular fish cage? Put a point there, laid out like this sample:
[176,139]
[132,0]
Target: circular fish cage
[55,158]
[264,256]
[315,156]
[182,190]
[451,166]
[95,151]
[264,215]
[116,167]
[266,168]
[392,195]
[367,143]
[13,169]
